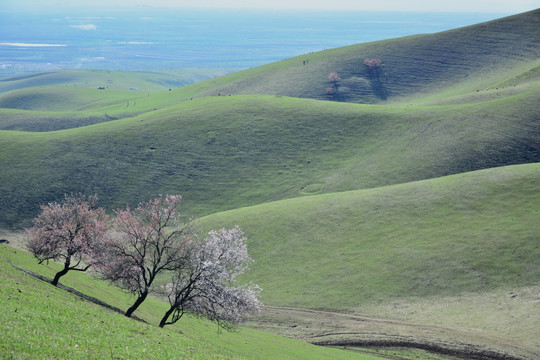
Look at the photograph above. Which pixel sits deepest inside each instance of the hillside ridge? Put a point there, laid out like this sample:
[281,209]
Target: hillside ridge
[225,152]
[410,66]
[444,243]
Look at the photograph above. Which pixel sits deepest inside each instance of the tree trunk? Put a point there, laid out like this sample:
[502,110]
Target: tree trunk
[62,272]
[138,302]
[163,321]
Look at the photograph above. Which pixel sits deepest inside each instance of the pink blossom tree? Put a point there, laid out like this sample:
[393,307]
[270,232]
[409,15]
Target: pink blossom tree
[146,241]
[205,284]
[373,64]
[374,67]
[334,78]
[71,232]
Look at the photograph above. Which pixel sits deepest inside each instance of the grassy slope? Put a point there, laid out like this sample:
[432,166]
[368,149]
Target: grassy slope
[227,152]
[148,82]
[470,232]
[455,63]
[70,98]
[449,260]
[466,58]
[40,321]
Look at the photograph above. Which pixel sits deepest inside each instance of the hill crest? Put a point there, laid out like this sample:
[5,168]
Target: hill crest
[410,66]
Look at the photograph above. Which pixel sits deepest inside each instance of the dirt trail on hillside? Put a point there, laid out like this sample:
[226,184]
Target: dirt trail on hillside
[346,330]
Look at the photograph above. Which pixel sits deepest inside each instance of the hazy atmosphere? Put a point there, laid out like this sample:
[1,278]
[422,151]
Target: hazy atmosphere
[222,35]
[499,6]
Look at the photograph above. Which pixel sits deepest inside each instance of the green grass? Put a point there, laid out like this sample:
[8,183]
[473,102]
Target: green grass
[221,153]
[472,232]
[40,321]
[146,82]
[415,66]
[71,98]
[471,105]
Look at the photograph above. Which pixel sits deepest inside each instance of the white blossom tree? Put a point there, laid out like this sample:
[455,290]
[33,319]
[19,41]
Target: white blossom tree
[205,284]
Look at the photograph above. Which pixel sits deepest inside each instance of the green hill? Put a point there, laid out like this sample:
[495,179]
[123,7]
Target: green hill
[147,82]
[73,98]
[465,59]
[451,251]
[227,152]
[418,186]
[471,232]
[41,321]
[58,99]
[437,261]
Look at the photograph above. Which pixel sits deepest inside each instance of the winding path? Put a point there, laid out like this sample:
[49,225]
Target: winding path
[335,329]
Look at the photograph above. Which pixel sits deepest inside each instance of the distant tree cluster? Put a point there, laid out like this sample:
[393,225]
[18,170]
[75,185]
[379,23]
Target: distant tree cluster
[139,244]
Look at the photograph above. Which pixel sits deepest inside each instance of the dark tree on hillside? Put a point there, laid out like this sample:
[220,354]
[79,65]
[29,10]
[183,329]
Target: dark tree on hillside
[146,241]
[71,232]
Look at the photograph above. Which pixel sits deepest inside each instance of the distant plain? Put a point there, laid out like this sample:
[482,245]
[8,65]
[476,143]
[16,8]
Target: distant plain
[151,39]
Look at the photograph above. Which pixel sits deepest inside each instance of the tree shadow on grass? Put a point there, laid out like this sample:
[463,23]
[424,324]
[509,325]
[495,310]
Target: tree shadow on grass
[75,292]
[379,89]
[374,70]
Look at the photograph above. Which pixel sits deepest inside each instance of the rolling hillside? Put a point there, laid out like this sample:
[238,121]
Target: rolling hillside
[470,232]
[448,263]
[455,66]
[73,98]
[404,192]
[458,253]
[469,58]
[41,321]
[150,81]
[227,152]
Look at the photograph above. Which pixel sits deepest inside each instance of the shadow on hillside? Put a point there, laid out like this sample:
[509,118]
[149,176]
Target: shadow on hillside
[375,74]
[378,88]
[75,292]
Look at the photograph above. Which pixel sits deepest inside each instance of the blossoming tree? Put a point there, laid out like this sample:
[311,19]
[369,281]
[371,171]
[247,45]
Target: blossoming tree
[145,242]
[71,232]
[205,283]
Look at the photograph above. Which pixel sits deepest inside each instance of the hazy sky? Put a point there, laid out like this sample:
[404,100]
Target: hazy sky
[484,6]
